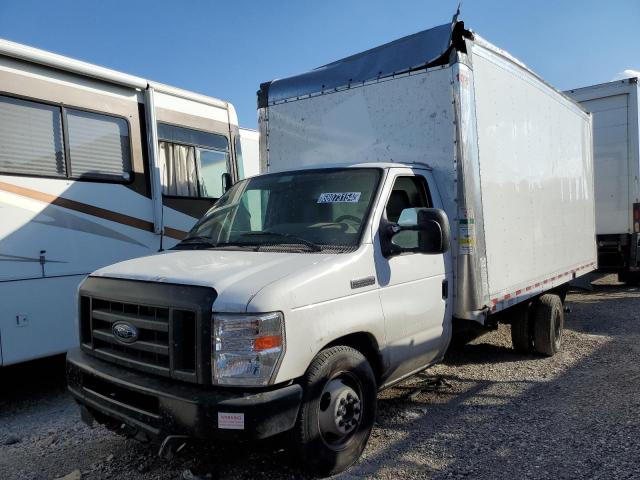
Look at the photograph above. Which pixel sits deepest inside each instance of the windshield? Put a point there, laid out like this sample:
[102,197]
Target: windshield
[311,210]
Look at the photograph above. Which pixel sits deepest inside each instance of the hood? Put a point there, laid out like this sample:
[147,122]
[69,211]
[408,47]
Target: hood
[237,276]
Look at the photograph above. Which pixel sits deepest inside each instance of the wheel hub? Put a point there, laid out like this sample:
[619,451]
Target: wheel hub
[340,409]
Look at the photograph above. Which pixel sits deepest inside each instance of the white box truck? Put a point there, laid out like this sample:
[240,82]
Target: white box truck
[431,178]
[616,151]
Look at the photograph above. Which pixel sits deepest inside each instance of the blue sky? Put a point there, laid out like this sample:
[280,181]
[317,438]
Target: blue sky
[226,49]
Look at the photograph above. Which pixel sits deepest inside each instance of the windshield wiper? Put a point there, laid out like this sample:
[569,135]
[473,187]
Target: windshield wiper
[294,238]
[198,240]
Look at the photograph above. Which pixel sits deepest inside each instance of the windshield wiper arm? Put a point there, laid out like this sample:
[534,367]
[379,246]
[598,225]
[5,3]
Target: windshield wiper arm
[294,238]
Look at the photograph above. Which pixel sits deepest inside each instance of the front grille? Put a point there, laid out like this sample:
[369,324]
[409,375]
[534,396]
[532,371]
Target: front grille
[166,340]
[171,340]
[151,349]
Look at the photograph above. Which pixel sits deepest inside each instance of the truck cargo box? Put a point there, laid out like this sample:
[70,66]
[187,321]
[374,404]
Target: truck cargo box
[512,156]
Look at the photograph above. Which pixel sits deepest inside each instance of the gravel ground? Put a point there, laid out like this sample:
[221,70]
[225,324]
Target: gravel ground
[486,412]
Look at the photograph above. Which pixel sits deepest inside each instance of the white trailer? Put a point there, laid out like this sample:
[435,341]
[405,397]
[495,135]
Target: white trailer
[428,179]
[96,166]
[616,149]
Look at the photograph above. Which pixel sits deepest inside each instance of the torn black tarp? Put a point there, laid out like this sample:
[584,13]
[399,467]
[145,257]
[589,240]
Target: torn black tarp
[419,50]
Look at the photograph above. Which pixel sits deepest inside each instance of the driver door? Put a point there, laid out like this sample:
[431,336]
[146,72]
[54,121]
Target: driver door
[412,292]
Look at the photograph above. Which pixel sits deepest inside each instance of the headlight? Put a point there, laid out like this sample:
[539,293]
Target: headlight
[246,348]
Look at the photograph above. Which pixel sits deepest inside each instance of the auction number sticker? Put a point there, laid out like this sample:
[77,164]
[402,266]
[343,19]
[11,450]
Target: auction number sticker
[231,421]
[343,197]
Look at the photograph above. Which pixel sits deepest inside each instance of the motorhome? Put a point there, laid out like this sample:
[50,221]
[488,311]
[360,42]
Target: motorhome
[616,150]
[96,166]
[430,179]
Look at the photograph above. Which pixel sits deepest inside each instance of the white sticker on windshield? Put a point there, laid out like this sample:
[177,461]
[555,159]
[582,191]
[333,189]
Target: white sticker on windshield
[344,197]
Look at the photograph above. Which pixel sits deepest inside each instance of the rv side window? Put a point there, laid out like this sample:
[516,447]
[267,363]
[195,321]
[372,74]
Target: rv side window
[98,145]
[192,161]
[31,140]
[178,170]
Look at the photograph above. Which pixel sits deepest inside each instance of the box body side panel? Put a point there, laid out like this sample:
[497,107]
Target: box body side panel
[537,178]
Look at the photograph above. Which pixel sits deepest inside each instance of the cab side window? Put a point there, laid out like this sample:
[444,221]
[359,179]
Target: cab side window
[408,192]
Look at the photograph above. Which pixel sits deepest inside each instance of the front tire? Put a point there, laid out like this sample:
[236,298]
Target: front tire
[338,410]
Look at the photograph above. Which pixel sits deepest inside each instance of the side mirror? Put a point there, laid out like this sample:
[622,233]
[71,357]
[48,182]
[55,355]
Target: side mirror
[434,231]
[227,182]
[427,231]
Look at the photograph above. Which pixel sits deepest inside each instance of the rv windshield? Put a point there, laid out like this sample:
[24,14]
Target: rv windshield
[315,210]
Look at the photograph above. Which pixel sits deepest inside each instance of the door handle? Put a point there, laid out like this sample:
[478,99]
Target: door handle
[445,289]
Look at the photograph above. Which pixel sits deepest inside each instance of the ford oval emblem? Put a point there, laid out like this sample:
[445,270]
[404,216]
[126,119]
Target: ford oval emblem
[124,332]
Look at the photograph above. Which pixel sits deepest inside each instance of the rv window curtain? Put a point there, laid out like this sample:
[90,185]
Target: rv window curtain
[178,170]
[98,145]
[31,141]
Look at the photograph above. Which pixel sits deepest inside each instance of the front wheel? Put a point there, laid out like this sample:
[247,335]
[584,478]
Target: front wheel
[338,410]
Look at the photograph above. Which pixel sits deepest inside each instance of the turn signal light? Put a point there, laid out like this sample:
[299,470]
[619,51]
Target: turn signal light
[266,343]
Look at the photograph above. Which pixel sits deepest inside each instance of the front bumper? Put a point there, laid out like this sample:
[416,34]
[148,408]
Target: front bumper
[161,407]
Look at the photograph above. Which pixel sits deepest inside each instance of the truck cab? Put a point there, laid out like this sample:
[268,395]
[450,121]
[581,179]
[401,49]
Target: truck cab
[340,270]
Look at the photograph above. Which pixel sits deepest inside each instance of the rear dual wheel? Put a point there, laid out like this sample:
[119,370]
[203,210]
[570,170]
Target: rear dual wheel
[538,326]
[520,320]
[548,323]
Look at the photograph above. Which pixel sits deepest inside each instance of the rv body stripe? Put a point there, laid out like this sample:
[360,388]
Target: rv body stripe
[89,209]
[174,233]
